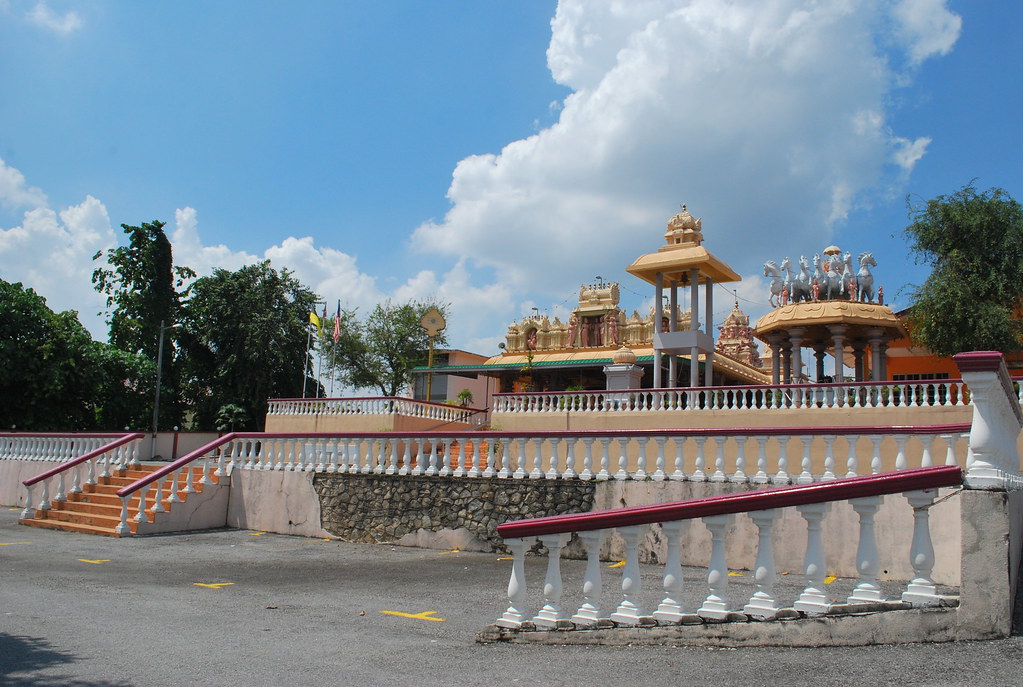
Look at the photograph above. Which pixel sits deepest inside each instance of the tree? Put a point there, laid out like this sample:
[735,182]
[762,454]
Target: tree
[383,350]
[974,245]
[144,292]
[245,337]
[55,377]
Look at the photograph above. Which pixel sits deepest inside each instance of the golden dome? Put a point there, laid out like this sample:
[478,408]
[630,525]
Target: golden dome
[624,356]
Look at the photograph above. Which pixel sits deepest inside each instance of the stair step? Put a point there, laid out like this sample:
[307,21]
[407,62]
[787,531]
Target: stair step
[71,527]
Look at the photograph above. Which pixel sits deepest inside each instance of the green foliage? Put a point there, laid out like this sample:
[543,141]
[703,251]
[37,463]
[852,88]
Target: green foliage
[381,351]
[55,377]
[244,336]
[144,291]
[465,397]
[229,416]
[974,245]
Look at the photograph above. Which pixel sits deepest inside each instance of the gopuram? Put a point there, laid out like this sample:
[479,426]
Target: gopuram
[832,308]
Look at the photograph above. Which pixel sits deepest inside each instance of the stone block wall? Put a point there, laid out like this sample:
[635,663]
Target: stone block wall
[386,508]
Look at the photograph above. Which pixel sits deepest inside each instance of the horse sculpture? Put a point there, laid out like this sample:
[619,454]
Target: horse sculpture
[801,286]
[777,283]
[848,285]
[864,279]
[832,283]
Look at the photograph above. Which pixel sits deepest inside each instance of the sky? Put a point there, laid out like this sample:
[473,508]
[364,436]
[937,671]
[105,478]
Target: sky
[493,156]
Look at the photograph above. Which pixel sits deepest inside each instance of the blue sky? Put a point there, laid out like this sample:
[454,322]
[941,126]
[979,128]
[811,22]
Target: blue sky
[493,155]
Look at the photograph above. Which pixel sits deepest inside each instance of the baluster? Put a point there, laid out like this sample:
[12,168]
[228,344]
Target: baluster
[491,469]
[623,459]
[123,528]
[379,456]
[364,467]
[552,612]
[867,590]
[419,469]
[901,463]
[569,472]
[813,601]
[221,465]
[926,460]
[628,612]
[205,480]
[29,511]
[393,466]
[140,516]
[587,472]
[44,498]
[670,608]
[187,473]
[321,454]
[851,462]
[875,458]
[520,464]
[641,472]
[605,458]
[334,461]
[92,471]
[173,497]
[515,615]
[536,472]
[761,477]
[158,497]
[659,474]
[715,606]
[903,393]
[589,612]
[506,459]
[61,495]
[921,590]
[782,476]
[762,605]
[719,460]
[950,451]
[805,477]
[698,474]
[680,468]
[829,457]
[474,469]
[740,475]
[552,471]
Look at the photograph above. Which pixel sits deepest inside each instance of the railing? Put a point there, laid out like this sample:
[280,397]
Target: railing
[52,446]
[930,393]
[379,405]
[106,455]
[717,512]
[736,455]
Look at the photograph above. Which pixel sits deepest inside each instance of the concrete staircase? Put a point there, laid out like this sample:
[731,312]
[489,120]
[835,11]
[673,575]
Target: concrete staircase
[97,509]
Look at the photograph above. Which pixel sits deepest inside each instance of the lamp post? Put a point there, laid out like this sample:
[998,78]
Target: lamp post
[159,378]
[433,322]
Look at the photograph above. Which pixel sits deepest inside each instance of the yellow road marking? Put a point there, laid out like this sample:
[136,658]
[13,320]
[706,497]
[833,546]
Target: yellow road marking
[14,543]
[505,558]
[736,574]
[215,585]
[14,509]
[829,579]
[256,534]
[444,553]
[617,565]
[425,615]
[94,562]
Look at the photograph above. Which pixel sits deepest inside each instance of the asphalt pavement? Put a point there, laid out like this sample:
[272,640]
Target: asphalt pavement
[236,607]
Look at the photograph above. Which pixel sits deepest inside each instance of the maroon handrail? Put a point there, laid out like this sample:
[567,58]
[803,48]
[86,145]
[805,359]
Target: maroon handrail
[179,463]
[82,458]
[762,499]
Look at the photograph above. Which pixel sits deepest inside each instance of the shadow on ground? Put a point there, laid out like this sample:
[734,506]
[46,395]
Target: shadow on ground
[21,654]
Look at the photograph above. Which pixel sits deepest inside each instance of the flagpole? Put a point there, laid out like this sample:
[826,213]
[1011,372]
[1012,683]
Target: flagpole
[305,367]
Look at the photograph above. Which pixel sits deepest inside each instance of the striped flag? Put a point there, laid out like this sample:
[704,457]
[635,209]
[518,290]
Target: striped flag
[337,322]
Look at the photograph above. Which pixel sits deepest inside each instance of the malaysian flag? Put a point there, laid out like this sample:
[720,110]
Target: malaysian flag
[337,322]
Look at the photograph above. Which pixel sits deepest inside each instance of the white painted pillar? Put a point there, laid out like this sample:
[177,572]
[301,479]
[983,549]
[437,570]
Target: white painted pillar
[774,339]
[708,376]
[673,326]
[694,305]
[762,605]
[715,606]
[552,612]
[628,612]
[867,563]
[921,590]
[838,335]
[658,316]
[813,601]
[589,612]
[515,615]
[670,608]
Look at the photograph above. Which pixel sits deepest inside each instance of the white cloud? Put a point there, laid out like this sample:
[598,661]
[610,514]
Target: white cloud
[41,15]
[768,117]
[52,253]
[15,193]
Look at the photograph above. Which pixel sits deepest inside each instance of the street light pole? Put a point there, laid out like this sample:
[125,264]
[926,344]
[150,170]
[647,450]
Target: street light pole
[159,378]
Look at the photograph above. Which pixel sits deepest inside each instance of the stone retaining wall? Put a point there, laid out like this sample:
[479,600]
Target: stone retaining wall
[385,508]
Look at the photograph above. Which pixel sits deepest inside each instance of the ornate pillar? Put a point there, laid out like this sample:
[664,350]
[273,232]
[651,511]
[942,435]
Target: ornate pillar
[796,343]
[818,353]
[875,336]
[859,369]
[708,376]
[774,339]
[786,359]
[838,333]
[673,326]
[658,316]
[694,300]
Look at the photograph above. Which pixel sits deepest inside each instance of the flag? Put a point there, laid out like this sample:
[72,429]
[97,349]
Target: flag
[313,319]
[337,323]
